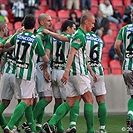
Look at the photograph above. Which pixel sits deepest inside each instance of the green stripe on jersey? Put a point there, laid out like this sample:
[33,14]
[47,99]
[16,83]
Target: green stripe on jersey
[79,61]
[126,36]
[59,52]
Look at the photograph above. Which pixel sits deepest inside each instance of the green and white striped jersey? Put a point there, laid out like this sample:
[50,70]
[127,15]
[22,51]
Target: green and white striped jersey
[94,47]
[126,35]
[79,65]
[27,49]
[44,38]
[9,61]
[59,52]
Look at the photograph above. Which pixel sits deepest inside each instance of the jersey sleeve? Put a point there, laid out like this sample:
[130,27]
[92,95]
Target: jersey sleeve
[78,41]
[40,49]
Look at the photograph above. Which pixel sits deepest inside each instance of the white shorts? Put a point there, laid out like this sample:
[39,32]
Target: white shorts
[8,87]
[26,88]
[98,88]
[42,86]
[59,91]
[78,85]
[128,78]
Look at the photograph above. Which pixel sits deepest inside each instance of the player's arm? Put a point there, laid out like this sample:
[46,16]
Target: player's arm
[56,35]
[92,73]
[117,48]
[71,55]
[8,49]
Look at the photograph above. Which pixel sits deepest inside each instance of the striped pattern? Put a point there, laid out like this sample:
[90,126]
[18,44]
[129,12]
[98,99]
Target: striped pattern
[94,47]
[126,35]
[27,46]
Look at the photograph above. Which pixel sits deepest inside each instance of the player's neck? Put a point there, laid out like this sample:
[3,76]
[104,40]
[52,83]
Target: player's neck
[30,30]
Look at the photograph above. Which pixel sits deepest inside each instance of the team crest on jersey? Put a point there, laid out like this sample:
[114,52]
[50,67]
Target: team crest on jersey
[77,41]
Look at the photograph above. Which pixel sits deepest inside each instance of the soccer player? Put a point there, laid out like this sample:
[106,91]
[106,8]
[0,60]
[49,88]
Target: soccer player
[125,38]
[8,78]
[27,47]
[78,82]
[59,52]
[43,87]
[94,54]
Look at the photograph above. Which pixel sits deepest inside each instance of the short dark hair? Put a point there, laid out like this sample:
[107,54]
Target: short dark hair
[65,24]
[29,21]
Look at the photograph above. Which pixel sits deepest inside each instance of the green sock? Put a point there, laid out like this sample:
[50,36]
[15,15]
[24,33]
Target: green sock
[102,114]
[17,123]
[18,112]
[39,121]
[74,113]
[59,123]
[59,113]
[29,118]
[89,116]
[130,108]
[39,107]
[3,122]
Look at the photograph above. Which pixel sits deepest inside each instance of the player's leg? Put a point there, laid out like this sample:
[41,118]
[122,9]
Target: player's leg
[59,93]
[74,113]
[82,85]
[64,108]
[60,112]
[6,95]
[99,91]
[44,91]
[128,78]
[26,95]
[102,112]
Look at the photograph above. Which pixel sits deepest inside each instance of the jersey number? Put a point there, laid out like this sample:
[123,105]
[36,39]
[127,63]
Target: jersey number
[59,53]
[21,44]
[129,48]
[94,53]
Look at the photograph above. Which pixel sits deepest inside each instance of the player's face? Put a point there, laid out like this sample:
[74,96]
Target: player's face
[48,22]
[90,24]
[72,29]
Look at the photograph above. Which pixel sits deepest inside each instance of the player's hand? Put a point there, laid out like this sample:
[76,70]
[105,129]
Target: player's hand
[94,76]
[46,76]
[43,66]
[64,78]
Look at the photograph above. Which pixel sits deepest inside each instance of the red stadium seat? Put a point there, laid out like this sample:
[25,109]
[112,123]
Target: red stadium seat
[127,2]
[17,25]
[108,41]
[79,13]
[112,26]
[106,58]
[115,67]
[63,15]
[57,26]
[94,9]
[106,67]
[105,51]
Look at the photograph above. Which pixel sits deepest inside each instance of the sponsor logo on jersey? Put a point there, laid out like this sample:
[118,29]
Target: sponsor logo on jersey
[77,41]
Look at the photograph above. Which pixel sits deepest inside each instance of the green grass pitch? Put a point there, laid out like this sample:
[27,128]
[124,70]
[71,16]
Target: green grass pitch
[115,123]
